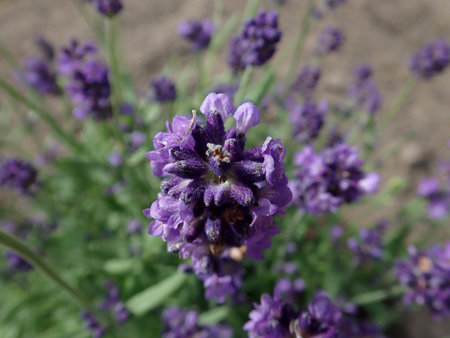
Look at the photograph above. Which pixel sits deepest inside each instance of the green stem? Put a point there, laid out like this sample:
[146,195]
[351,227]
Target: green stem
[200,72]
[243,84]
[405,92]
[218,12]
[53,124]
[27,253]
[304,30]
[378,295]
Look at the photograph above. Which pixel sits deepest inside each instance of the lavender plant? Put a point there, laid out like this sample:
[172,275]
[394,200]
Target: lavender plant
[249,183]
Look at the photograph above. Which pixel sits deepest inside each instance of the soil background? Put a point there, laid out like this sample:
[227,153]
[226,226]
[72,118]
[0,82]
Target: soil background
[383,33]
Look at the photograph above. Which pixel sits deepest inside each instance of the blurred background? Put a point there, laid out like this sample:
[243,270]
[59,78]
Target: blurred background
[383,33]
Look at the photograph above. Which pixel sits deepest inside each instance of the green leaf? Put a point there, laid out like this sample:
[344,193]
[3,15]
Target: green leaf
[118,266]
[150,298]
[262,88]
[214,316]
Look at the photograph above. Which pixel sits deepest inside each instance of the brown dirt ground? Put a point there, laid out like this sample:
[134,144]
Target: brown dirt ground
[381,32]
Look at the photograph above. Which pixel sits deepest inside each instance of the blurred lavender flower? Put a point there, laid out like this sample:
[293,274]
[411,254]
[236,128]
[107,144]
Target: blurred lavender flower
[336,233]
[126,108]
[112,302]
[438,197]
[115,159]
[134,226]
[18,175]
[137,138]
[307,80]
[91,323]
[227,89]
[427,278]
[216,195]
[180,323]
[163,89]
[326,180]
[364,90]
[108,8]
[330,40]
[369,246]
[88,82]
[307,120]
[197,32]
[324,6]
[257,42]
[287,290]
[431,59]
[16,262]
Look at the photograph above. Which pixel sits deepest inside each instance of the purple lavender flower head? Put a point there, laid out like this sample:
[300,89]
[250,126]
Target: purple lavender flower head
[369,244]
[257,42]
[307,120]
[330,40]
[328,179]
[197,32]
[216,195]
[88,82]
[108,8]
[364,90]
[288,290]
[18,175]
[438,197]
[91,323]
[115,159]
[306,80]
[336,233]
[134,226]
[16,262]
[112,302]
[163,89]
[320,320]
[431,59]
[325,6]
[180,323]
[426,275]
[270,319]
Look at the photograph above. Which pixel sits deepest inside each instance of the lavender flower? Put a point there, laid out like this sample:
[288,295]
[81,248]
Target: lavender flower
[307,120]
[88,82]
[427,278]
[336,233]
[115,159]
[307,80]
[108,8]
[163,89]
[326,180]
[18,175]
[91,323]
[270,319]
[16,262]
[39,72]
[330,40]
[325,6]
[180,323]
[438,197]
[319,320]
[288,290]
[257,42]
[364,91]
[137,138]
[227,89]
[197,32]
[112,302]
[216,195]
[134,226]
[431,59]
[369,245]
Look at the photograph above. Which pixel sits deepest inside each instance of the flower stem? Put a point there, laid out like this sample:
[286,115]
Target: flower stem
[304,30]
[65,137]
[378,295]
[200,72]
[243,84]
[405,92]
[27,253]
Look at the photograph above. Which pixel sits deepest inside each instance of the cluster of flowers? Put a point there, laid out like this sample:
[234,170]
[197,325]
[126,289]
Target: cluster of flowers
[256,43]
[307,120]
[180,323]
[364,91]
[330,40]
[307,80]
[369,244]
[39,72]
[437,192]
[324,181]
[18,175]
[197,32]
[108,8]
[427,278]
[217,198]
[88,82]
[321,8]
[431,59]
[110,302]
[276,318]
